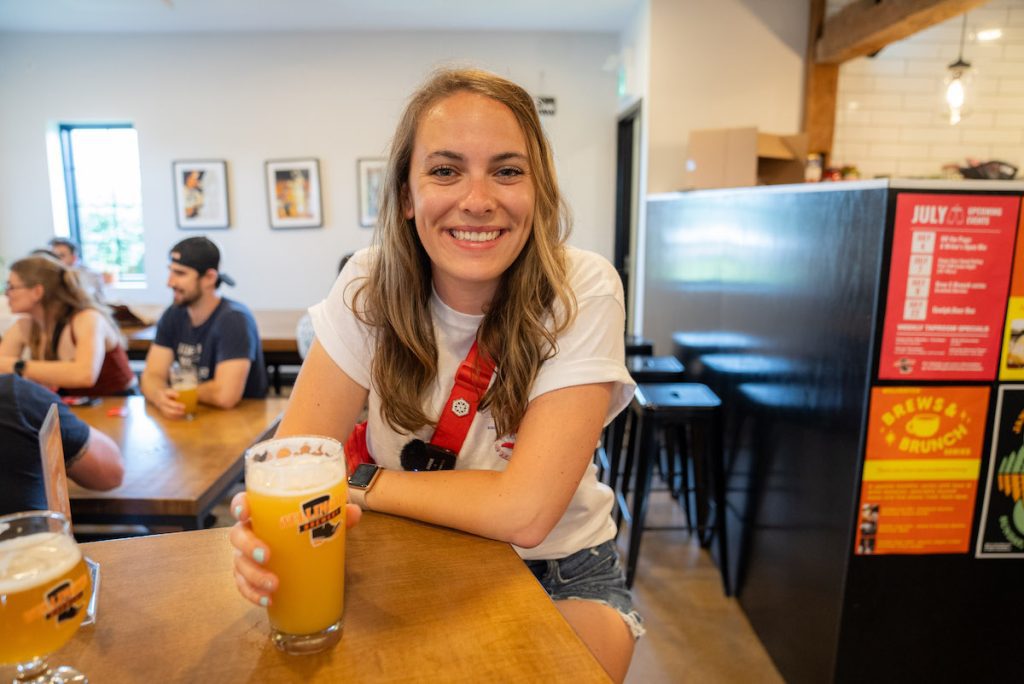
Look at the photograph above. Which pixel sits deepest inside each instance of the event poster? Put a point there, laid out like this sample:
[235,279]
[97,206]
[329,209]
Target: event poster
[1001,533]
[948,280]
[921,470]
[1011,366]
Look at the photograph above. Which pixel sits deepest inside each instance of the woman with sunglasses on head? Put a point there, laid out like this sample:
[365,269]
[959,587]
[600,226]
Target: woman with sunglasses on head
[470,269]
[73,343]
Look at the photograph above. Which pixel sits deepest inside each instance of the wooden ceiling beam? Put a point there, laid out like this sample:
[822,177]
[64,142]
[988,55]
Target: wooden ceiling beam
[866,26]
[821,82]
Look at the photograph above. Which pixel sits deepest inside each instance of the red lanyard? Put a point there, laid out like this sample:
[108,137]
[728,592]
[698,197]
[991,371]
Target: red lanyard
[471,381]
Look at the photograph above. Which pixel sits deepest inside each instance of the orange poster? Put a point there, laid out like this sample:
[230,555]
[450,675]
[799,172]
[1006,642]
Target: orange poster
[921,468]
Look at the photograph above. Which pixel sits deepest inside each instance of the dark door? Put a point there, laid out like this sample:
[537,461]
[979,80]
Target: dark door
[627,139]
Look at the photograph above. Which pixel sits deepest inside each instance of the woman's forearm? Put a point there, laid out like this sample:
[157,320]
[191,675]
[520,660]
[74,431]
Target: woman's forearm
[69,374]
[475,501]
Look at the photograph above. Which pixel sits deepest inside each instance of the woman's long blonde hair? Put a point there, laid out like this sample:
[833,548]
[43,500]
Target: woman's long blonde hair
[63,297]
[531,307]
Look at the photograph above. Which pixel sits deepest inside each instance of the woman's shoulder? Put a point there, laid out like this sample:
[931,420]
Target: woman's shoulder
[87,320]
[22,326]
[590,274]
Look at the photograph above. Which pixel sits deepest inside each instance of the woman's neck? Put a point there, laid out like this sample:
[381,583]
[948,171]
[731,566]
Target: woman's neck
[473,299]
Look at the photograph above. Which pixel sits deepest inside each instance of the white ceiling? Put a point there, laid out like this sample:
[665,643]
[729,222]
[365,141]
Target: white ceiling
[152,16]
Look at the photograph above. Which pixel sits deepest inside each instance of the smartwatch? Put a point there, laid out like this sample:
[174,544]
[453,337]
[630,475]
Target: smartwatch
[361,481]
[19,367]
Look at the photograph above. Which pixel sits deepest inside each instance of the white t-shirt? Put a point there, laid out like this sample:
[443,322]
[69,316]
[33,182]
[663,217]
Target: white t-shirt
[590,351]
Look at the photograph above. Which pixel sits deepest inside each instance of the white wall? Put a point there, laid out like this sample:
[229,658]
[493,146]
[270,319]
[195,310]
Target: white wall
[889,116]
[247,98]
[698,64]
[721,64]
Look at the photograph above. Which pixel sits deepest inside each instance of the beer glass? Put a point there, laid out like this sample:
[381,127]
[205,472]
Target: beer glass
[297,490]
[44,591]
[185,381]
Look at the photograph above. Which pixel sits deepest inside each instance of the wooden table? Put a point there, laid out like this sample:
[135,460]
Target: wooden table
[424,604]
[175,470]
[277,336]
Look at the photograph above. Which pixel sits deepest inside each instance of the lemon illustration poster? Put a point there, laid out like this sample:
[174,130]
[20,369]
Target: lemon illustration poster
[921,466]
[1001,533]
[1011,366]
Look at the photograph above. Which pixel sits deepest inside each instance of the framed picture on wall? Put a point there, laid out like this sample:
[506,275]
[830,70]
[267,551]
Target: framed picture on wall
[201,193]
[371,180]
[293,193]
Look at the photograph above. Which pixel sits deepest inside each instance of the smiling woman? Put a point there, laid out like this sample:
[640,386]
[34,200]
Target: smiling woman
[469,269]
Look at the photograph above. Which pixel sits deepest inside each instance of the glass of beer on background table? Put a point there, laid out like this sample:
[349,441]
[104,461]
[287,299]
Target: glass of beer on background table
[44,593]
[185,381]
[297,490]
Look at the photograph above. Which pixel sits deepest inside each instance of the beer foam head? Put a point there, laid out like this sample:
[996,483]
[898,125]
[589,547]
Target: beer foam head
[294,465]
[35,559]
[293,475]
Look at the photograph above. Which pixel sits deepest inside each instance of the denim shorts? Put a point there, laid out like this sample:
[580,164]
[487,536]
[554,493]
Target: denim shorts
[592,574]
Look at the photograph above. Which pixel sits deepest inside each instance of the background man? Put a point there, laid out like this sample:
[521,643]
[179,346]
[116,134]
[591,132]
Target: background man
[67,251]
[91,458]
[216,335]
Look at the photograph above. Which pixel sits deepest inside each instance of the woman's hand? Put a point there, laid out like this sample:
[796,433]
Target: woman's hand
[254,581]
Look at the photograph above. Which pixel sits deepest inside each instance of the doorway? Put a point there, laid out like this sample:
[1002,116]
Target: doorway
[626,192]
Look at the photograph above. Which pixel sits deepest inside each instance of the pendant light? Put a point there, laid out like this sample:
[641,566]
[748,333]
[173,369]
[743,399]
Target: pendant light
[958,81]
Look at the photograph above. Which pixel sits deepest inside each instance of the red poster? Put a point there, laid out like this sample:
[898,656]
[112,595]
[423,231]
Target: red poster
[948,280]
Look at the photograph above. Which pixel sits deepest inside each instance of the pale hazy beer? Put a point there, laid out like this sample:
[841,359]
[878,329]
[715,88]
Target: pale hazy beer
[185,381]
[44,586]
[189,396]
[297,491]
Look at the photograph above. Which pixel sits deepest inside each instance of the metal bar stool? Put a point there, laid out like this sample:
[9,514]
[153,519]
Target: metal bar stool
[667,406]
[644,370]
[638,346]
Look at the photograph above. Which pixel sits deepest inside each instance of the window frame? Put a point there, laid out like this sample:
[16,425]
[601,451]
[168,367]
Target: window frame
[64,131]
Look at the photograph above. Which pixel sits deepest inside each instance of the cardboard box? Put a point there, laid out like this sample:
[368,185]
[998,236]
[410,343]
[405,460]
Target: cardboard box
[734,157]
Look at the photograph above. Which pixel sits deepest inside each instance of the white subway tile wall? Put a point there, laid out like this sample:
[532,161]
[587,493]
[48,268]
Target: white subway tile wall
[890,116]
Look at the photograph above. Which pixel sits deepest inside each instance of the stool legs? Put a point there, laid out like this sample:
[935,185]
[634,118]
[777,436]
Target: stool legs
[718,483]
[645,455]
[621,487]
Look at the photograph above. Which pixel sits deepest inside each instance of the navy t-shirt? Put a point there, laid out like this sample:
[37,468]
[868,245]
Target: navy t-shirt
[23,407]
[229,333]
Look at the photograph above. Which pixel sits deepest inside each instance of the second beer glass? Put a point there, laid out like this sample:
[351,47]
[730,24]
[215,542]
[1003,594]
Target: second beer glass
[297,490]
[185,381]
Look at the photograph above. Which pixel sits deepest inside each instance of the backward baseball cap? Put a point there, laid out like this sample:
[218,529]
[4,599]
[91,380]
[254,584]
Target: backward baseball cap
[201,254]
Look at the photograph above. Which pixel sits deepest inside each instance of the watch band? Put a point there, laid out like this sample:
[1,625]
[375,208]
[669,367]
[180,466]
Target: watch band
[19,367]
[357,496]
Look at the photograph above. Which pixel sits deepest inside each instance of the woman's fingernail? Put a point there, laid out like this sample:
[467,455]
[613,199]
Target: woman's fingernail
[264,601]
[238,512]
[259,555]
[268,584]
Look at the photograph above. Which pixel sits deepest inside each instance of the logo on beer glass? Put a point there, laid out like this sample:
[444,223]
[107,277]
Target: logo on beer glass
[64,601]
[315,518]
[61,603]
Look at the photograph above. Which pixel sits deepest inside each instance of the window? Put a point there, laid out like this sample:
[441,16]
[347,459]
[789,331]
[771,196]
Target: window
[104,193]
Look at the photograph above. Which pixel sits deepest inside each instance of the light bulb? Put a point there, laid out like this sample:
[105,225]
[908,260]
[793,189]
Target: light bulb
[955,93]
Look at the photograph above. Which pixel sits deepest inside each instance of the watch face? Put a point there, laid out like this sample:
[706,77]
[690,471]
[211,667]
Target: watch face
[362,475]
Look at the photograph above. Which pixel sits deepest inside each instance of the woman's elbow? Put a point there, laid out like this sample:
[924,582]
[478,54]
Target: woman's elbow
[530,533]
[81,378]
